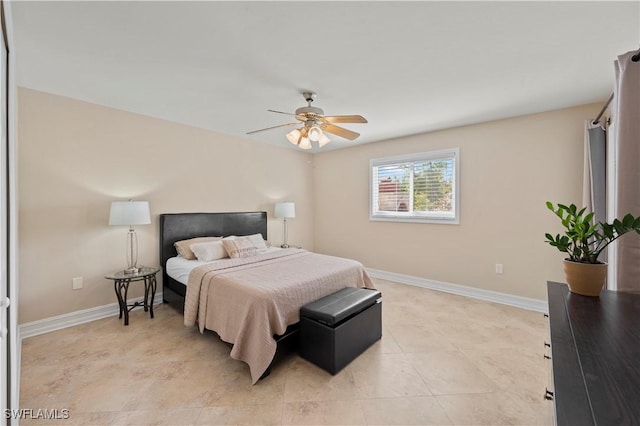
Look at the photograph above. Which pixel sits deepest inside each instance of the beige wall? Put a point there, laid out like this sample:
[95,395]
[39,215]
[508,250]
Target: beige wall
[509,168]
[75,158]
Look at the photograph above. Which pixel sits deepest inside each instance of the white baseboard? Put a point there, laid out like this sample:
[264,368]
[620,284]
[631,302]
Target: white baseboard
[59,322]
[476,293]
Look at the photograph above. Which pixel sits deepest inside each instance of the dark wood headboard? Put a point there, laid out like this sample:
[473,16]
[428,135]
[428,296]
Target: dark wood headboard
[181,226]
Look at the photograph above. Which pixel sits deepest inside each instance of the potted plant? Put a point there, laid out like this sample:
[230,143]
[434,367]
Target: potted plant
[583,241]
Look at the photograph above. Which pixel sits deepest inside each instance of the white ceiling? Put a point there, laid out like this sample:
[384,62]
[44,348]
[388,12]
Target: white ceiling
[408,67]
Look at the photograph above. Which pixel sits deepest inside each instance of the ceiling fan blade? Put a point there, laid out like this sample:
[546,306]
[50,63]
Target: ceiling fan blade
[344,119]
[340,131]
[280,112]
[274,127]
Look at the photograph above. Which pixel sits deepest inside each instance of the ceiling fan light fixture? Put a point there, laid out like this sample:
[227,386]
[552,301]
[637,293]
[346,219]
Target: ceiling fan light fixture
[294,136]
[315,133]
[315,125]
[323,140]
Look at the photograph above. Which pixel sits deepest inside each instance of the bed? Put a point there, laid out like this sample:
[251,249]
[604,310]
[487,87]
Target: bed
[251,303]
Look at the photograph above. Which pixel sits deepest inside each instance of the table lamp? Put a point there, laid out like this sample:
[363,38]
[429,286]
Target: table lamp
[285,210]
[130,213]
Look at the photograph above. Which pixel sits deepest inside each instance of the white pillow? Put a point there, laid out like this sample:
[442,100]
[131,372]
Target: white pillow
[182,247]
[211,250]
[258,242]
[239,247]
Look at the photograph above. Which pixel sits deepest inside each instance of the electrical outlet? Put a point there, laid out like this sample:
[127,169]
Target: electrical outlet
[77,283]
[498,268]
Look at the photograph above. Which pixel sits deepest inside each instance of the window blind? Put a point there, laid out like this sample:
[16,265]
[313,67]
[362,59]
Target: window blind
[417,187]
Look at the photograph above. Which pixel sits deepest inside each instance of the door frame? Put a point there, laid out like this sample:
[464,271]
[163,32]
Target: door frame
[11,364]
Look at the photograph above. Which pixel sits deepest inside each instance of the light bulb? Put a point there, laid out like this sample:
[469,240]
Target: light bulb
[315,133]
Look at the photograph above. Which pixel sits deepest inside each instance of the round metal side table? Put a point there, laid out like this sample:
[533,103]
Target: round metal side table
[121,281]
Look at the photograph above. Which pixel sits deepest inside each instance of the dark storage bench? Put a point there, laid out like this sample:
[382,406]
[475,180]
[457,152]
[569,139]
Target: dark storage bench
[336,329]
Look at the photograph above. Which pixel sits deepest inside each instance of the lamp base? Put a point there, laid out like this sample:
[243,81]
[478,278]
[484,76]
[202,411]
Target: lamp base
[132,252]
[131,271]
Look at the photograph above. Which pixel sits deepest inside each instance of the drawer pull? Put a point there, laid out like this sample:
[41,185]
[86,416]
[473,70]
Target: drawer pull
[546,315]
[547,344]
[546,356]
[548,395]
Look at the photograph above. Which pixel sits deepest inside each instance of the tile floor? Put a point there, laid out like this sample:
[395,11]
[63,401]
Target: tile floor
[443,360]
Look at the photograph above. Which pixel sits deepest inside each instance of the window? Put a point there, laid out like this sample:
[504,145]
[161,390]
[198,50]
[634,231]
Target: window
[420,187]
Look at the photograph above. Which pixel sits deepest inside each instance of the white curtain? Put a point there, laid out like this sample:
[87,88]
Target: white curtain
[612,202]
[626,116]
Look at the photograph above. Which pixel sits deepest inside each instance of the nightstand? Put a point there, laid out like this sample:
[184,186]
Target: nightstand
[121,281]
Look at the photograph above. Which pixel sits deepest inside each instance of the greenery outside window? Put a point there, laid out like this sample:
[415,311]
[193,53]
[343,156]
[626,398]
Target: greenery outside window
[421,187]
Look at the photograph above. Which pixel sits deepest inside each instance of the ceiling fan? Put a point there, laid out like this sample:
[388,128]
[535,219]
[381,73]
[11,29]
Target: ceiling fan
[315,125]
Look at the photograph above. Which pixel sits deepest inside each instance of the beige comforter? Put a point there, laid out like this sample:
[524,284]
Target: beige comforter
[248,301]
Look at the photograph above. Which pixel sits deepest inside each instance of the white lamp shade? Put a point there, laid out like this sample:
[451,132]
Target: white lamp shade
[294,136]
[286,209]
[305,143]
[314,134]
[324,139]
[129,213]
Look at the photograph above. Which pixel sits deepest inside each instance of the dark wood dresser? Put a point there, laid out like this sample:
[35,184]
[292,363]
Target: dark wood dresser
[595,351]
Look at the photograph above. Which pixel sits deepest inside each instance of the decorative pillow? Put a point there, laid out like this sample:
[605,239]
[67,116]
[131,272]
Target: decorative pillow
[258,242]
[182,247]
[239,247]
[211,250]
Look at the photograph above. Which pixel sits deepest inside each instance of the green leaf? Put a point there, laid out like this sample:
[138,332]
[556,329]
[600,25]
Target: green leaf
[607,230]
[627,221]
[588,217]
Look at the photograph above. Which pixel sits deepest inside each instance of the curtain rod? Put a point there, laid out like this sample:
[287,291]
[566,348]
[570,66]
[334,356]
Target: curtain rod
[604,108]
[634,58]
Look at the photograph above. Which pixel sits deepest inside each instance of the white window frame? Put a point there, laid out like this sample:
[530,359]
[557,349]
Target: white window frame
[375,215]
